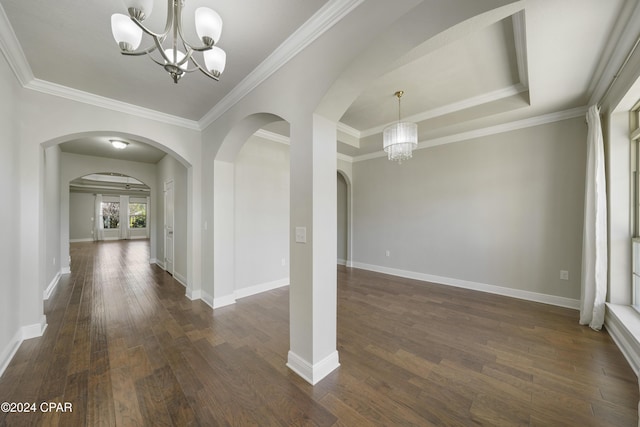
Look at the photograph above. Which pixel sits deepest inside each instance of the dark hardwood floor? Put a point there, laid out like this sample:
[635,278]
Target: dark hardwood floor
[125,347]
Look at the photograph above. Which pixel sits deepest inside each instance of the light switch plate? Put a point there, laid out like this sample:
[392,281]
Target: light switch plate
[301,234]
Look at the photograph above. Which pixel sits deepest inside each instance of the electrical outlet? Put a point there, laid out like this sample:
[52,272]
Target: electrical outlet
[388,253]
[564,275]
[283,262]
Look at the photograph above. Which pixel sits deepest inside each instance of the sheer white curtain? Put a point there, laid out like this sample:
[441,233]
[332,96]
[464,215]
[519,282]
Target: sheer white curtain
[98,225]
[124,217]
[594,245]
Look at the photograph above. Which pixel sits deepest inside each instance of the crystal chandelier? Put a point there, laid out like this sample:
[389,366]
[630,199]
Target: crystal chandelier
[127,31]
[400,138]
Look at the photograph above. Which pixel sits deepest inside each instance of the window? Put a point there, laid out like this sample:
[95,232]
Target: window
[137,215]
[635,205]
[110,214]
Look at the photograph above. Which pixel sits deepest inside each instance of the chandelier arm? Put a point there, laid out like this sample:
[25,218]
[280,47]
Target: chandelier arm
[203,70]
[161,50]
[188,55]
[156,61]
[140,52]
[163,63]
[151,33]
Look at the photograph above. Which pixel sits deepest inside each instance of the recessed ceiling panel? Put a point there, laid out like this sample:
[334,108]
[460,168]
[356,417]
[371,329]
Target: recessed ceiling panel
[482,63]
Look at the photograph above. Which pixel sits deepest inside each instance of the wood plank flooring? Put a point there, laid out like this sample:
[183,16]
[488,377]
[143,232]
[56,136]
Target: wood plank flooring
[125,347]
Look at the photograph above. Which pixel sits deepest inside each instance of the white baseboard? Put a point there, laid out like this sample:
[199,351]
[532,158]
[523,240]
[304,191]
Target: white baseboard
[24,333]
[193,295]
[158,263]
[223,301]
[54,282]
[313,373]
[201,295]
[248,291]
[623,324]
[51,287]
[80,240]
[263,287]
[208,299]
[180,278]
[483,287]
[341,262]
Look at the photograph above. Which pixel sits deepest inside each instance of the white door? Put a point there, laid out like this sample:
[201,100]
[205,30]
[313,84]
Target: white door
[168,226]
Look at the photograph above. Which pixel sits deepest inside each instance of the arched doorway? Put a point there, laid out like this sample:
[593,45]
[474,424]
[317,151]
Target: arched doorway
[108,206]
[145,167]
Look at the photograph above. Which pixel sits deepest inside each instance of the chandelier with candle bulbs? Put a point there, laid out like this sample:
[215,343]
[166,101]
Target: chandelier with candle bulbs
[170,50]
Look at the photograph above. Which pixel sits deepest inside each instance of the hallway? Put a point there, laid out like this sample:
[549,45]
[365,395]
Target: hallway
[125,347]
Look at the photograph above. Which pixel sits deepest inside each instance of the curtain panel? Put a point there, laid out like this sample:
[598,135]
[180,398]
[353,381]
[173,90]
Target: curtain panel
[594,244]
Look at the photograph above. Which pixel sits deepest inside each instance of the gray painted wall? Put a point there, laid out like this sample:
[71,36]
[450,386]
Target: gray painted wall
[504,210]
[261,213]
[81,214]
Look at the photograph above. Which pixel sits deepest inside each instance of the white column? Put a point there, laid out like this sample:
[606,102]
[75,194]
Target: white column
[223,234]
[313,281]
[195,229]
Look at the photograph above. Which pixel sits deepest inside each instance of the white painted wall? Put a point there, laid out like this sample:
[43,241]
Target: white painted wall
[170,169]
[10,297]
[261,214]
[504,210]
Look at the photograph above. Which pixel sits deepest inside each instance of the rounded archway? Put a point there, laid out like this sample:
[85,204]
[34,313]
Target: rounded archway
[145,166]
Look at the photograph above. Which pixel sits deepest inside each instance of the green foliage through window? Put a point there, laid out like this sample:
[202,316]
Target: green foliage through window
[137,215]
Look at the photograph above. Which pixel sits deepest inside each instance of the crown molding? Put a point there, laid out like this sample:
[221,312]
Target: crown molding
[617,48]
[10,47]
[272,136]
[520,40]
[344,157]
[349,130]
[491,130]
[454,107]
[17,60]
[281,139]
[331,13]
[108,103]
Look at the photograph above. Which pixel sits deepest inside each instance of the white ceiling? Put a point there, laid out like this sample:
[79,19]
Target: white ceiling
[531,64]
[69,42]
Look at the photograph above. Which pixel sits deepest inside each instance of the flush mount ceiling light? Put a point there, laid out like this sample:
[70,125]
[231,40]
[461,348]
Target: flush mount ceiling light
[127,31]
[400,138]
[120,145]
